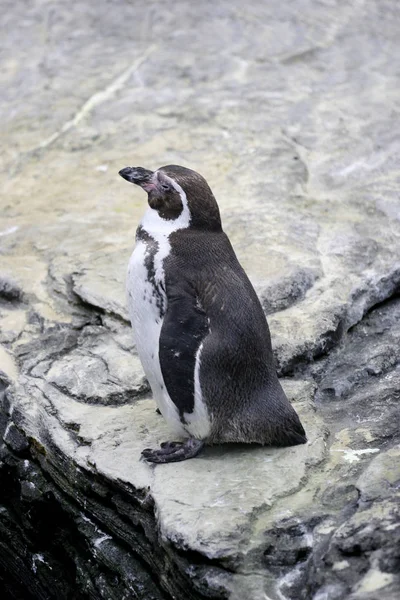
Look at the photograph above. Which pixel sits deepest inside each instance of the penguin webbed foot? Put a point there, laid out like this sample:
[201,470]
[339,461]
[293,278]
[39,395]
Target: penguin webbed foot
[173,451]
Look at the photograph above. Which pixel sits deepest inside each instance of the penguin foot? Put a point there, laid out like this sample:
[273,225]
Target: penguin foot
[173,451]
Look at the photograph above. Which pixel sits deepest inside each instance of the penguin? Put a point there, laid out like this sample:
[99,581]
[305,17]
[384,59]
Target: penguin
[201,333]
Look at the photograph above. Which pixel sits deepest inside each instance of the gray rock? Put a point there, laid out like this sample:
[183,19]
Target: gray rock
[98,370]
[100,281]
[289,110]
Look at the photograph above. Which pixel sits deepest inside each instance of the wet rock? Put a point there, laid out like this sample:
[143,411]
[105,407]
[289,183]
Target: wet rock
[288,545]
[348,533]
[289,110]
[382,476]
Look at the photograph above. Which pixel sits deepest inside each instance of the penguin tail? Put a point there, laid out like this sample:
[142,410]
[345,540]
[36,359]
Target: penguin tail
[286,428]
[292,435]
[291,438]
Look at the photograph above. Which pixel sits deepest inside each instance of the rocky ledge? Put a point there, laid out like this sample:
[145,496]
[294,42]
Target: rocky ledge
[80,510]
[291,113]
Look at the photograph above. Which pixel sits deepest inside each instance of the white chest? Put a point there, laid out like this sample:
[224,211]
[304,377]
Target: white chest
[147,303]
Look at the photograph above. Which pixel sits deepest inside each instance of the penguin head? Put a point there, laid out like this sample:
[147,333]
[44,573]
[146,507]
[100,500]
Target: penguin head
[174,190]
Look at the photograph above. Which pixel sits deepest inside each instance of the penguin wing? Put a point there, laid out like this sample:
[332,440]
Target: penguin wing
[210,300]
[184,328]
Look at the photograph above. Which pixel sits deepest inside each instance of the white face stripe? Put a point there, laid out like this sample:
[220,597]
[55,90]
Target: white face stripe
[160,229]
[155,225]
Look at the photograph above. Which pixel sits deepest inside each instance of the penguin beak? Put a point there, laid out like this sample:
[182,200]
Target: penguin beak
[137,175]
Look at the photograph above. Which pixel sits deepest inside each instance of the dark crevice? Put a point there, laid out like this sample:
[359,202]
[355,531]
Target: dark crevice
[131,513]
[56,341]
[69,296]
[10,292]
[383,303]
[112,399]
[299,365]
[51,533]
[94,308]
[329,340]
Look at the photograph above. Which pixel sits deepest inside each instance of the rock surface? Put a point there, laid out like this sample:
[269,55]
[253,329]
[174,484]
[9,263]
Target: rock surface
[291,111]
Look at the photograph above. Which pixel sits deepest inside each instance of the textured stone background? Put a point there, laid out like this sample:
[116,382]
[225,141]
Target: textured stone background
[291,112]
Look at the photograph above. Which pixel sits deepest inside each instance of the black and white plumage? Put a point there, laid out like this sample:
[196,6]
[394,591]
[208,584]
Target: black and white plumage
[200,330]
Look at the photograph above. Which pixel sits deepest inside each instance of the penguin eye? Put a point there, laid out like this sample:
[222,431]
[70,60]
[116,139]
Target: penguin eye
[165,187]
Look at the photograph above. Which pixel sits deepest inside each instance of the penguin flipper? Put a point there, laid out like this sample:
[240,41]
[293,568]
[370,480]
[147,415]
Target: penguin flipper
[184,327]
